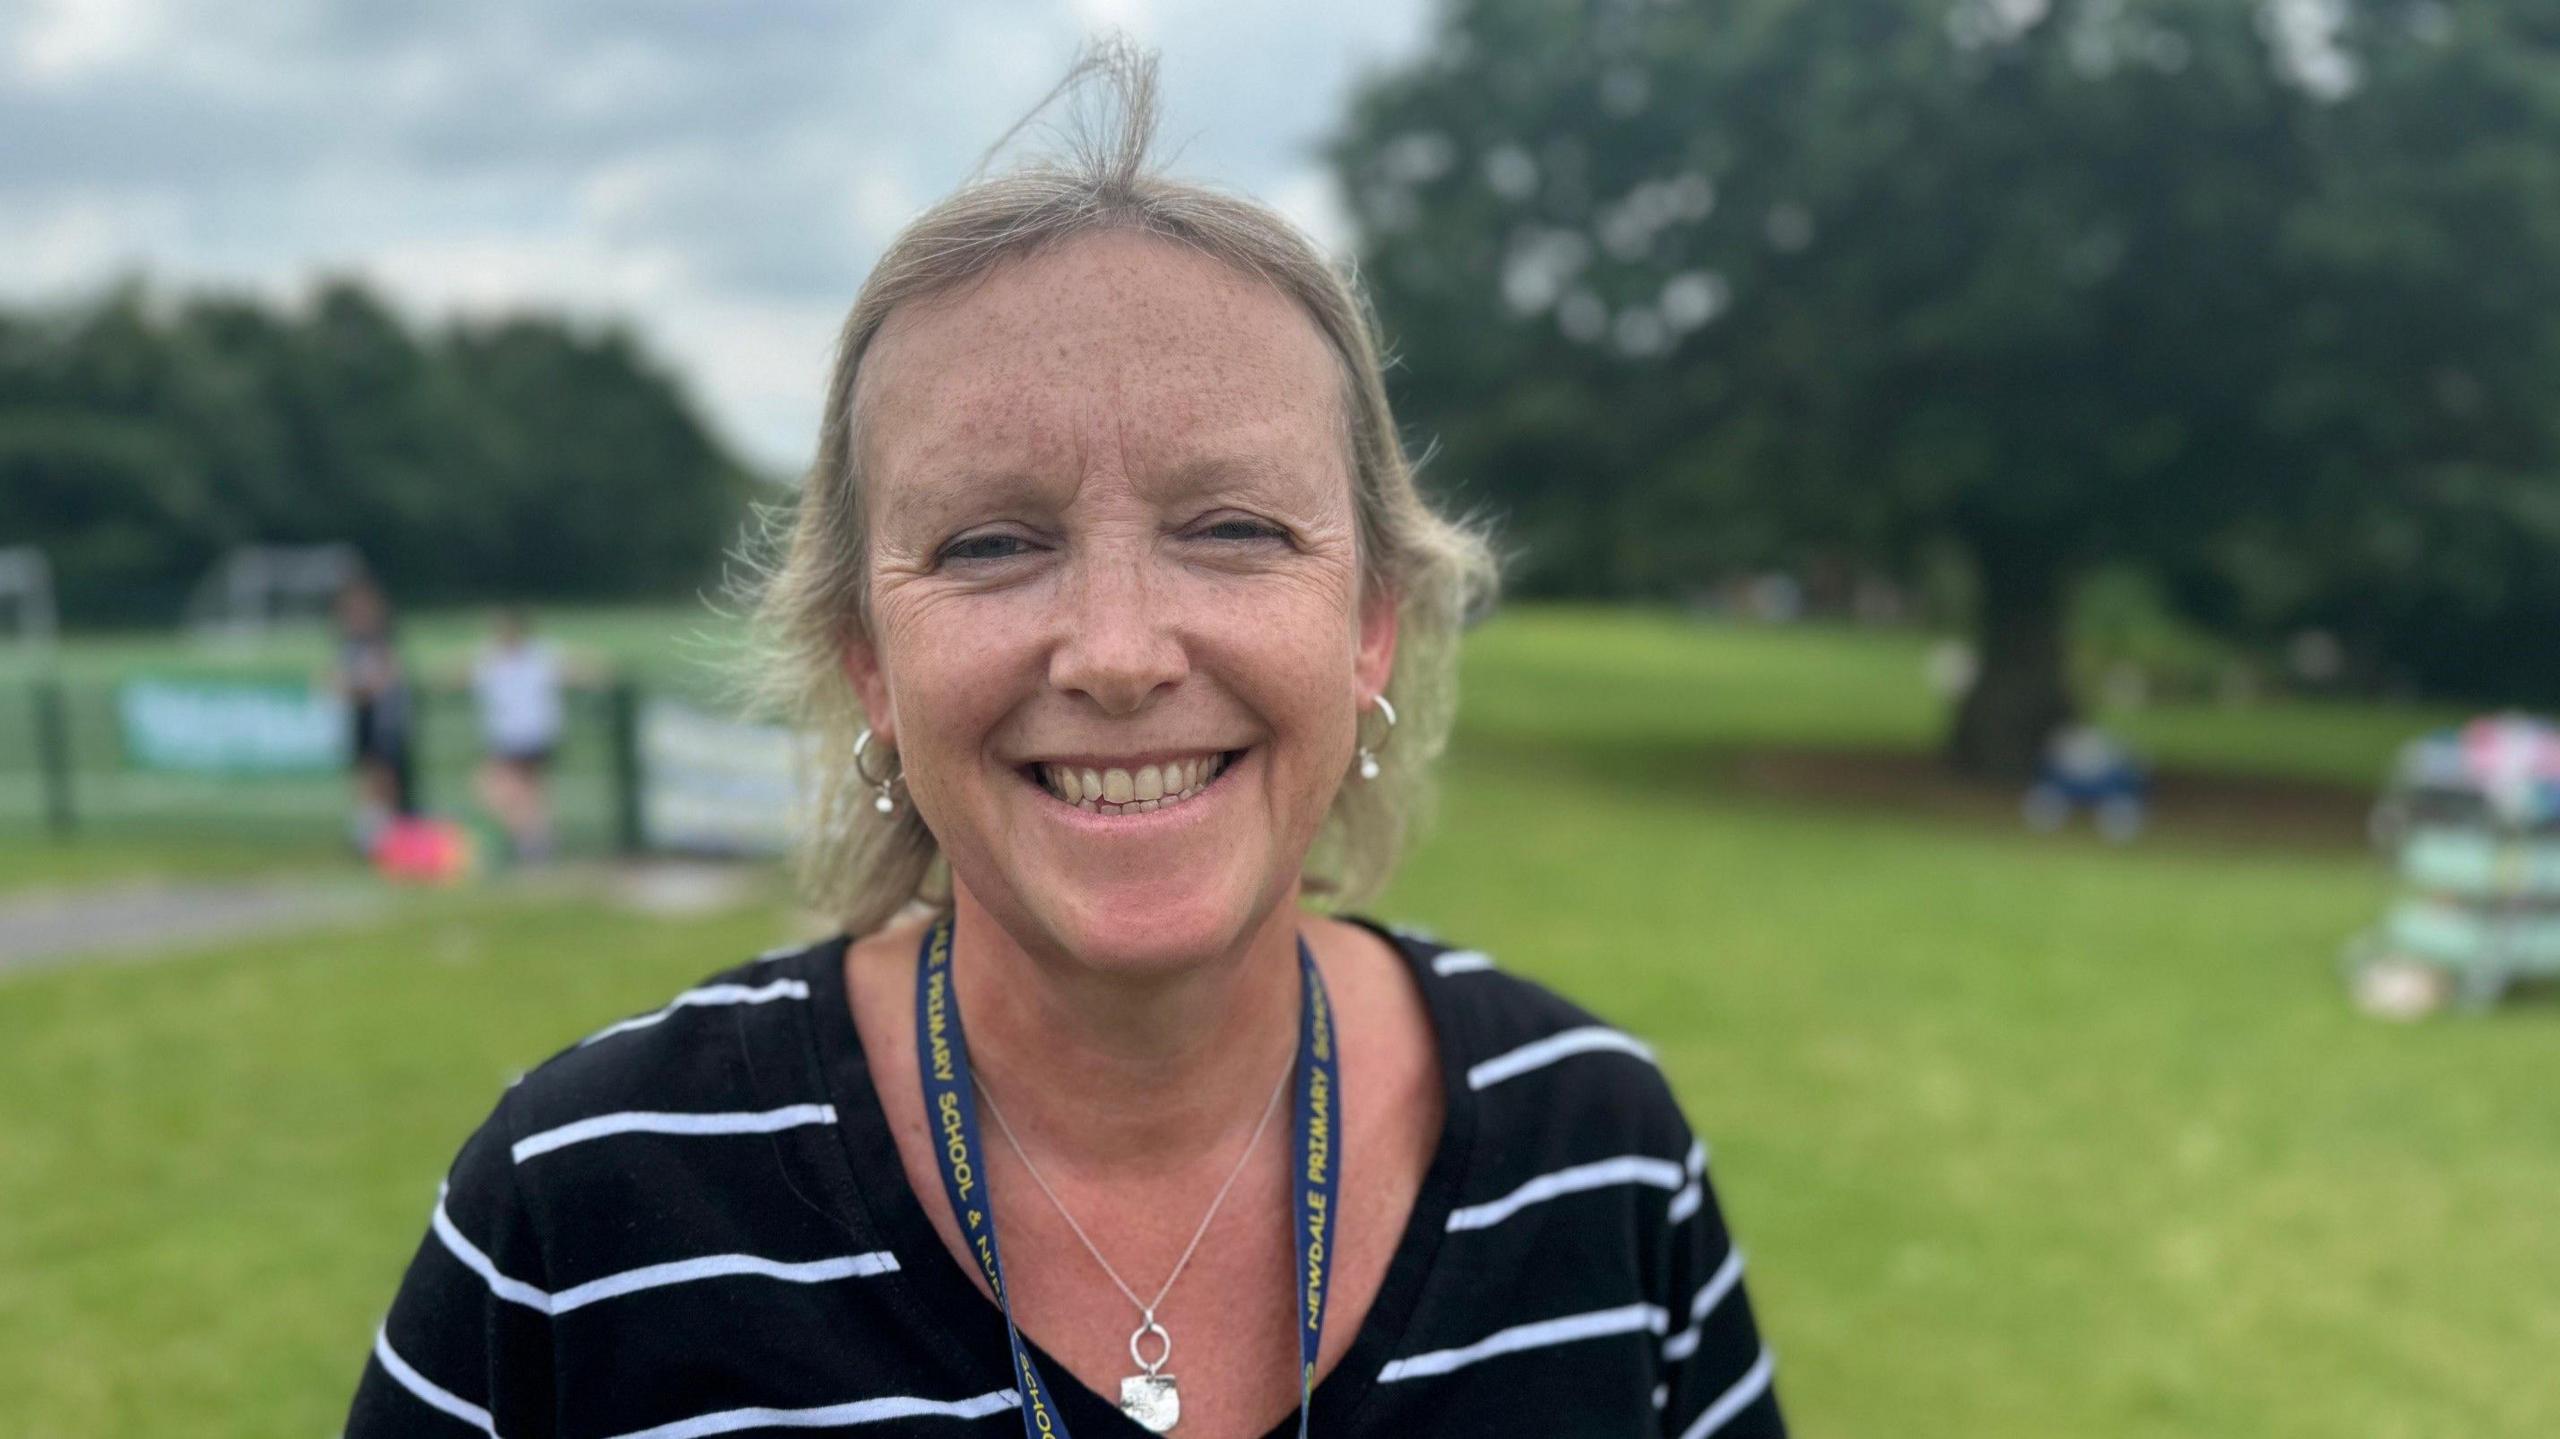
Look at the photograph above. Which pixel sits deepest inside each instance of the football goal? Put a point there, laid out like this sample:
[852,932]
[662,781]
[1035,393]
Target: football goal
[258,587]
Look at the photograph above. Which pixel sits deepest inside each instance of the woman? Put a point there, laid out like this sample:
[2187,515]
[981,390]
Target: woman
[375,685]
[1111,546]
[516,681]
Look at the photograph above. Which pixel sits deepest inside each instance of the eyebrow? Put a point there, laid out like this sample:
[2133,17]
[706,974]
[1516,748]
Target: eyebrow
[941,497]
[1218,470]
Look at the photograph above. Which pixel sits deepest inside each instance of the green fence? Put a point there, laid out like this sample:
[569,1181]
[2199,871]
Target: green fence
[65,770]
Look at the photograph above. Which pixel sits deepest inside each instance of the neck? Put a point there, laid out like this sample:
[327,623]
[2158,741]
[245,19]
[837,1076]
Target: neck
[1103,1071]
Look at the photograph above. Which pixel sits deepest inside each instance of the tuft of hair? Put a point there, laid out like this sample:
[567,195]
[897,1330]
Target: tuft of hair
[806,580]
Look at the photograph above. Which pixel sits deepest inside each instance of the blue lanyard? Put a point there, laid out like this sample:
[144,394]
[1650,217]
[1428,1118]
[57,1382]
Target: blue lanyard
[951,1112]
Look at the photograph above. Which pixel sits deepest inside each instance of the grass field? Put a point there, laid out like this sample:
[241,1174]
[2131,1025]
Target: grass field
[2023,1137]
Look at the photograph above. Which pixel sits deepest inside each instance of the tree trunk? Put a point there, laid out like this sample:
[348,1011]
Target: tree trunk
[2020,693]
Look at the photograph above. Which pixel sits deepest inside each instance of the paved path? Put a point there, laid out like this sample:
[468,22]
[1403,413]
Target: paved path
[41,929]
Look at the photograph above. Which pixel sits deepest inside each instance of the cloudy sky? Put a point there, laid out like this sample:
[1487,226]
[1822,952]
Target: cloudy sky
[720,173]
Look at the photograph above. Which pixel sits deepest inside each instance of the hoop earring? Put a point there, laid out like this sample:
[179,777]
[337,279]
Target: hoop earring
[882,801]
[1368,756]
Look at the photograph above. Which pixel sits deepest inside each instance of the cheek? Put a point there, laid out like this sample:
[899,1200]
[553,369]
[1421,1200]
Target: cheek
[1290,656]
[946,676]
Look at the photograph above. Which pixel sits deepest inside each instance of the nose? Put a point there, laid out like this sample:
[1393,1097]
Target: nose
[1120,643]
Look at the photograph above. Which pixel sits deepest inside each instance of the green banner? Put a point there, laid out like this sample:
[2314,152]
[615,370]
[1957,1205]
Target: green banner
[199,726]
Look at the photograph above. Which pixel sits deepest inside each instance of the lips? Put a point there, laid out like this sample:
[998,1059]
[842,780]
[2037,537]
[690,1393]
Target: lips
[1133,789]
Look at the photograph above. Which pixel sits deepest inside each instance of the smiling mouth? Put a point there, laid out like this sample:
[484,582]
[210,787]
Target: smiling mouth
[1142,790]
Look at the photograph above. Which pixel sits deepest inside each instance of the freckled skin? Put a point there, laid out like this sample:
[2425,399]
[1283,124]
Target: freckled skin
[1111,513]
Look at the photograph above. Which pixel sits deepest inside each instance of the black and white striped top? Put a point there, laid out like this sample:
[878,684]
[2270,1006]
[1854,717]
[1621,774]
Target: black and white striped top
[695,1223]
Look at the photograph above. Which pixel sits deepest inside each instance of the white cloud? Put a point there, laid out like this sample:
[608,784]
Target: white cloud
[720,178]
[1311,199]
[490,274]
[83,237]
[61,40]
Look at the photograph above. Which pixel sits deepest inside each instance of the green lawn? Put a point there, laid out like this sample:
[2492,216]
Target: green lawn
[672,644]
[31,864]
[2022,1137]
[1612,680]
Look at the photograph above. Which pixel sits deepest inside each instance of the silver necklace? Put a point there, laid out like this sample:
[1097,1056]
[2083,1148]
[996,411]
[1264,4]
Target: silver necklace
[1149,1397]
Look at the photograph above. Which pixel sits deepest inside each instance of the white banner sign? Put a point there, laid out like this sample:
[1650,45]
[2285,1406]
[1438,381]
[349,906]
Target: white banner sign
[715,784]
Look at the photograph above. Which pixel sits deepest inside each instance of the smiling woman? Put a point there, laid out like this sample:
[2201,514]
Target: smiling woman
[1125,633]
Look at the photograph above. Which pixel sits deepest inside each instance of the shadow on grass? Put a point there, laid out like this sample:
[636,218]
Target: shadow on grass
[2205,808]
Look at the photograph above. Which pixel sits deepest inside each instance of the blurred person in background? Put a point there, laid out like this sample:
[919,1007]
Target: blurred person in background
[516,681]
[381,715]
[1123,633]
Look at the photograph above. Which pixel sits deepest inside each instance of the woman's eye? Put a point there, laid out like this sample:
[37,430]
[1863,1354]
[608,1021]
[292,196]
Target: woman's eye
[1242,530]
[984,547]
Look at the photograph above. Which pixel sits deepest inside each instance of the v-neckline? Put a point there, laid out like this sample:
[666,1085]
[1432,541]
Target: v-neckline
[970,1323]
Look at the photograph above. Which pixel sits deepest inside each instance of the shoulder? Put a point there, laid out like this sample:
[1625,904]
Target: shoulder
[619,1191]
[689,1119]
[727,1044]
[1533,1059]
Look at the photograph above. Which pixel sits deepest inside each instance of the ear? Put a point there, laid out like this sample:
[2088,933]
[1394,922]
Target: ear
[861,661]
[1375,661]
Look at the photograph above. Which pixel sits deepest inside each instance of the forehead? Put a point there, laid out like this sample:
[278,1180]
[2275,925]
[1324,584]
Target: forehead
[1116,338]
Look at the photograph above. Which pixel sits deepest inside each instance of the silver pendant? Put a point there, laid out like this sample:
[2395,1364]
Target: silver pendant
[1152,1400]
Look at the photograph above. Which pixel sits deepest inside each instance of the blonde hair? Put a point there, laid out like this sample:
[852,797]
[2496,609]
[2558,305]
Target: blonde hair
[861,866]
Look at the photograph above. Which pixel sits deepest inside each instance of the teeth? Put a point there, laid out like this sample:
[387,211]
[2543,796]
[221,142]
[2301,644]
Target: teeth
[1117,791]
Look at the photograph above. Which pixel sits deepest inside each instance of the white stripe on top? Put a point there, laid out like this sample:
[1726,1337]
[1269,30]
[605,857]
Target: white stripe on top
[1710,1294]
[645,1121]
[1625,1319]
[514,1291]
[1461,961]
[1599,1174]
[1538,1054]
[1693,1196]
[706,995]
[719,1266]
[652,1276]
[430,1393]
[1733,1401]
[861,1411]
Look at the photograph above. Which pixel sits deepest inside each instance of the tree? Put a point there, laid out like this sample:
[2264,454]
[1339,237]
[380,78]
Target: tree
[2242,295]
[523,457]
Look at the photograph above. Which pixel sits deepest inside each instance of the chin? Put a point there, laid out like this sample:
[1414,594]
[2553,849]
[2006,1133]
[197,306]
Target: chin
[1153,925]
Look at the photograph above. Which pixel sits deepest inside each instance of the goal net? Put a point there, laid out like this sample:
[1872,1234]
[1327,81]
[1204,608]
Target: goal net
[257,588]
[27,618]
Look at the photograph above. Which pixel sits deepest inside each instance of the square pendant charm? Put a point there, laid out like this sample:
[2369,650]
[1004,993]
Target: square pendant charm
[1151,1400]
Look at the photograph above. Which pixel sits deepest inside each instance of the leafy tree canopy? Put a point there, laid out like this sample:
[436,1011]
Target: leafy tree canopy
[2257,298]
[141,437]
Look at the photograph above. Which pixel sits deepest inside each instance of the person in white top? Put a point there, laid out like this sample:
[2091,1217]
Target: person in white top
[516,680]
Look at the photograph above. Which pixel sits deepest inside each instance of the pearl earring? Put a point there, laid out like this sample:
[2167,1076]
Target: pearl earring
[882,801]
[1368,756]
